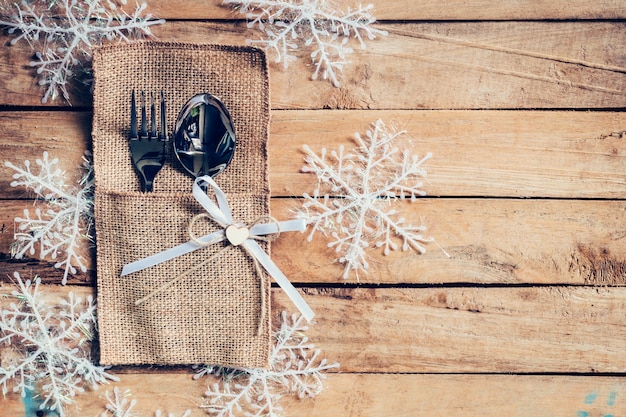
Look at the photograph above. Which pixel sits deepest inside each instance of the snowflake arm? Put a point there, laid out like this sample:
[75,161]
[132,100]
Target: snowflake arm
[118,405]
[388,229]
[233,395]
[411,168]
[159,413]
[62,227]
[328,212]
[352,243]
[294,365]
[337,174]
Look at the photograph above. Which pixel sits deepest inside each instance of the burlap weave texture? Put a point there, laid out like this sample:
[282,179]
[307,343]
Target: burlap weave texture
[212,316]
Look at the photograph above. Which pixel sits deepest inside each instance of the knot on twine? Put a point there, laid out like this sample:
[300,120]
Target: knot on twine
[265,229]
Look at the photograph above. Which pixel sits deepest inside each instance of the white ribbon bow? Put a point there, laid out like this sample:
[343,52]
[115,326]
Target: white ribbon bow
[221,213]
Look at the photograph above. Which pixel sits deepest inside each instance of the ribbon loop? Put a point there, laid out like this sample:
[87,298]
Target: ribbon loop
[222,215]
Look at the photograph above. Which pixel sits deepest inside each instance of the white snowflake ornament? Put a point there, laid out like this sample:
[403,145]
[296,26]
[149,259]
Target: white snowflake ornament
[353,201]
[46,347]
[295,368]
[62,226]
[318,25]
[63,33]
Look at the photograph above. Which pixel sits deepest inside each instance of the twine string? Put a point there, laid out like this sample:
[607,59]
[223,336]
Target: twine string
[193,237]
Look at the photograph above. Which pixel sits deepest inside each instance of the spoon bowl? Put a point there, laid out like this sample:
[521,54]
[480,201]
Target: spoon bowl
[204,136]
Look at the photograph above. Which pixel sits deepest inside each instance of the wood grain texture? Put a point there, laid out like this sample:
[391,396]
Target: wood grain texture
[469,330]
[552,329]
[375,395]
[460,65]
[367,395]
[529,305]
[27,135]
[487,153]
[488,242]
[424,10]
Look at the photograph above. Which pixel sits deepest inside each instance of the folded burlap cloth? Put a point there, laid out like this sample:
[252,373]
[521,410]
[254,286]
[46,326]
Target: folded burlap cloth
[211,316]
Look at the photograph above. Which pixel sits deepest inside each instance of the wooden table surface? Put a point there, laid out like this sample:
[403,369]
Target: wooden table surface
[522,105]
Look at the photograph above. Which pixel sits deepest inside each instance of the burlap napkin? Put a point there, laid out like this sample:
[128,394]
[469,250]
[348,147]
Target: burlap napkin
[211,316]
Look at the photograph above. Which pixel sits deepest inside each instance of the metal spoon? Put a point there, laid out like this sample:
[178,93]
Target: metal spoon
[204,136]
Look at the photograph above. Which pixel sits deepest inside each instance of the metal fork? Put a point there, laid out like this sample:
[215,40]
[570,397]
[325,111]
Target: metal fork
[148,149]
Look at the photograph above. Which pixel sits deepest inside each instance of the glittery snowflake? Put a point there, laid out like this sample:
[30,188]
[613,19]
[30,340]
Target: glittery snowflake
[295,368]
[119,405]
[62,226]
[316,24]
[63,33]
[47,346]
[353,201]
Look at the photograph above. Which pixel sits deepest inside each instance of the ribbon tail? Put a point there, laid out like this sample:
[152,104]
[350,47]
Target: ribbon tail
[261,229]
[280,279]
[171,253]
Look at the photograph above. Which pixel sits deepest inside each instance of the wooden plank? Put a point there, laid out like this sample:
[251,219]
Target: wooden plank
[404,10]
[469,330]
[468,66]
[423,65]
[27,135]
[504,10]
[464,395]
[487,153]
[426,10]
[488,241]
[461,330]
[374,395]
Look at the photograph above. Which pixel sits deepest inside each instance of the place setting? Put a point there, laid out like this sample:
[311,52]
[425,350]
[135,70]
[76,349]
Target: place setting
[182,216]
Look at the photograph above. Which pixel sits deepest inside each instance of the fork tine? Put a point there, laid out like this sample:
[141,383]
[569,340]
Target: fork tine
[133,116]
[163,134]
[153,127]
[144,124]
